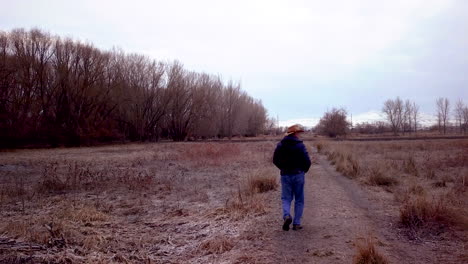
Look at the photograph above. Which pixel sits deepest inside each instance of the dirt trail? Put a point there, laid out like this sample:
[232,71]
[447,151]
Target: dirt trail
[338,213]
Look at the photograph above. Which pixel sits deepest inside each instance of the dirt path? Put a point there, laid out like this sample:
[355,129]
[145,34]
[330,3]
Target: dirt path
[338,213]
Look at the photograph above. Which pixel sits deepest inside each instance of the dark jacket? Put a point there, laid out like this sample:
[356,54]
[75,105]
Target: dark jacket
[291,156]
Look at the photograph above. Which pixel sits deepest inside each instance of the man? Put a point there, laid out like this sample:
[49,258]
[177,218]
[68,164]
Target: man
[292,159]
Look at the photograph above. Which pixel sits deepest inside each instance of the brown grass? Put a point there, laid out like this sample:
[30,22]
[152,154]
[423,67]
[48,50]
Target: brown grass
[83,214]
[261,181]
[212,154]
[319,147]
[241,206]
[378,177]
[217,245]
[417,190]
[57,228]
[345,162]
[50,232]
[144,201]
[421,212]
[367,253]
[67,176]
[437,166]
[410,166]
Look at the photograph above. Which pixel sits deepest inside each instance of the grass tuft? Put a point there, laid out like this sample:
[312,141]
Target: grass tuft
[409,166]
[319,147]
[261,182]
[377,177]
[420,212]
[217,245]
[367,254]
[417,190]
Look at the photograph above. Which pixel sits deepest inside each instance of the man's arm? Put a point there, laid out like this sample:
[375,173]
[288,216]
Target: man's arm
[277,157]
[306,163]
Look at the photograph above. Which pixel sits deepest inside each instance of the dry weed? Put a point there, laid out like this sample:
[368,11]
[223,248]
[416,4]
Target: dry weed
[245,258]
[348,166]
[212,154]
[240,206]
[420,212]
[93,242]
[51,232]
[410,167]
[261,181]
[88,207]
[377,177]
[443,164]
[319,147]
[344,161]
[217,245]
[367,254]
[417,190]
[50,180]
[82,213]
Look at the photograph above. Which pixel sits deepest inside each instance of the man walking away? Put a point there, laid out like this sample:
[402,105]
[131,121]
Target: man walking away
[292,159]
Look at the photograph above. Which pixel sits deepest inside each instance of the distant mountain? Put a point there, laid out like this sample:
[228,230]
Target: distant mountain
[425,119]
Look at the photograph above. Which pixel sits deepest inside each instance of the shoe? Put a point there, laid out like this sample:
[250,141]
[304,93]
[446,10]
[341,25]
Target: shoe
[297,227]
[287,222]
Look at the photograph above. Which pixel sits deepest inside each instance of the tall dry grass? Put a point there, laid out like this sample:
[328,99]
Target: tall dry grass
[217,245]
[421,211]
[368,254]
[141,200]
[261,181]
[378,176]
[440,167]
[345,162]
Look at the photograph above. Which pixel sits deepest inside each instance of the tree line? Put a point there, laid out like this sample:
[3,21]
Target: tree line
[58,91]
[401,116]
[404,116]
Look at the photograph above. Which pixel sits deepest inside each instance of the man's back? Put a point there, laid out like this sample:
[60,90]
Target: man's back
[291,156]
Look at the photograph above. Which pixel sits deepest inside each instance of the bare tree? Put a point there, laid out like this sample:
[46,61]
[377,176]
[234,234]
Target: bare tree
[333,123]
[180,115]
[271,126]
[443,109]
[407,116]
[257,118]
[415,116]
[231,108]
[459,114]
[7,86]
[393,109]
[465,119]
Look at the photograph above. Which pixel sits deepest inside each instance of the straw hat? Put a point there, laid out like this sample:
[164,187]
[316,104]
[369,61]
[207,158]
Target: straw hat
[294,129]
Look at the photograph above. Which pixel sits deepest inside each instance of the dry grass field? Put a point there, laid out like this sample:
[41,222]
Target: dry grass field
[429,178]
[139,203]
[219,203]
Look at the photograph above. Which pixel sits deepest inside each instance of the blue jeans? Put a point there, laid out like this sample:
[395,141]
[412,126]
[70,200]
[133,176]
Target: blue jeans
[292,187]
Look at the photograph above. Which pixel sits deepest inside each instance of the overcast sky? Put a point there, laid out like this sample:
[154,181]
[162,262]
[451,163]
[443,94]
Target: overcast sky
[299,57]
